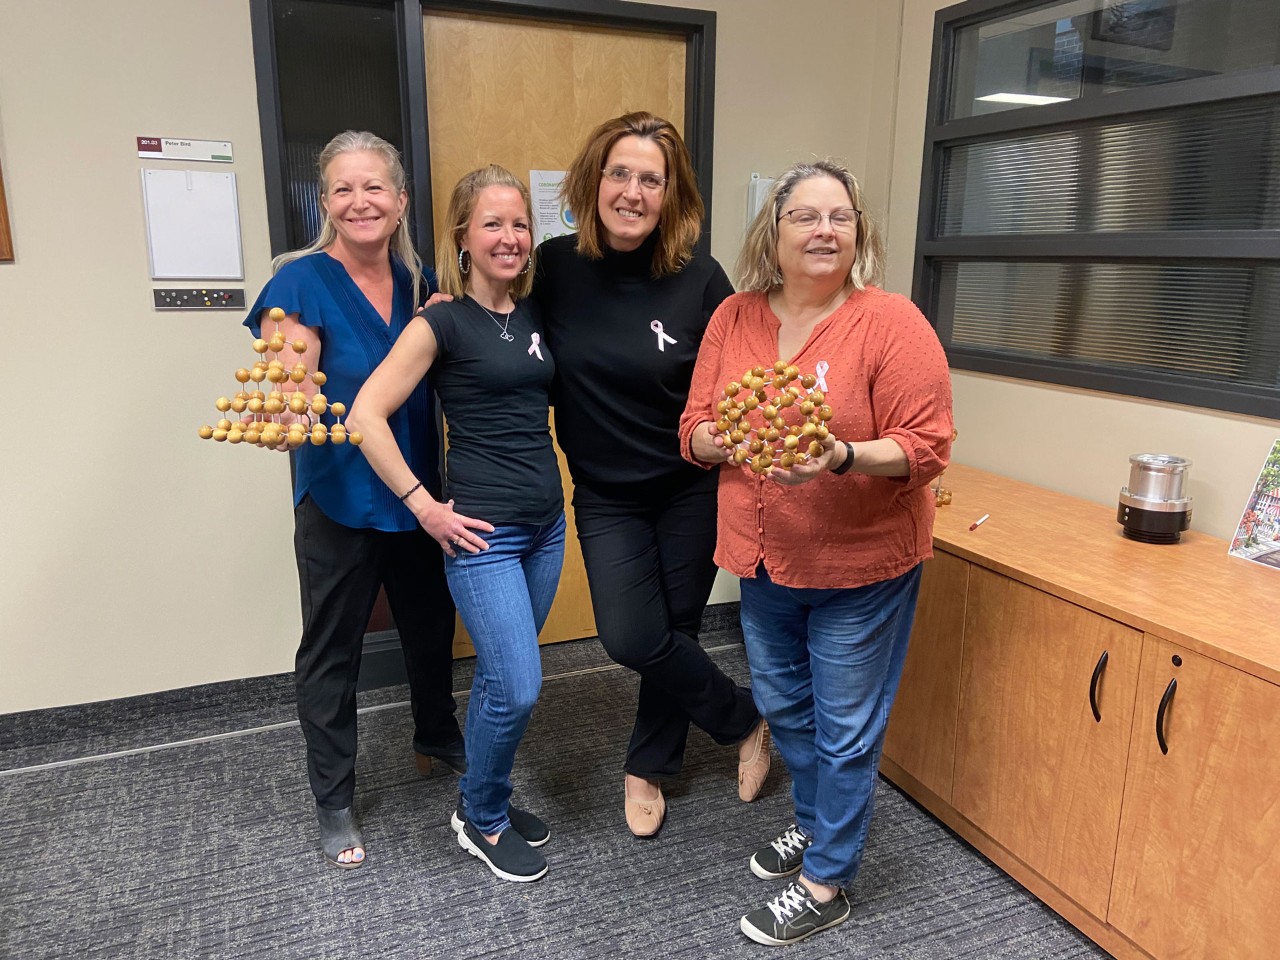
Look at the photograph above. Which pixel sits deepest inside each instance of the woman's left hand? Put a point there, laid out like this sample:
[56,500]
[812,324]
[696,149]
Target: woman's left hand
[804,472]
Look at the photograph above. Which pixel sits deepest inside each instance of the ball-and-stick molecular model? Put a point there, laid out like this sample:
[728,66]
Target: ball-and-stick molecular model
[773,418]
[284,414]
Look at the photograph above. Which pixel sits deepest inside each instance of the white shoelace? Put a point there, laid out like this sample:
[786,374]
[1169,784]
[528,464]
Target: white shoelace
[794,899]
[793,841]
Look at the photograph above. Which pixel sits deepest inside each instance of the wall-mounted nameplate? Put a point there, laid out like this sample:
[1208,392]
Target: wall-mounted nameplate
[172,148]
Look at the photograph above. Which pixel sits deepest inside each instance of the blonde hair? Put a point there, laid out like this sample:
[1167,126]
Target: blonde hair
[680,216]
[361,141]
[462,204]
[757,267]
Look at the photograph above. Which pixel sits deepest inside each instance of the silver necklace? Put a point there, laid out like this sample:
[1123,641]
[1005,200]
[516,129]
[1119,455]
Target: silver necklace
[503,324]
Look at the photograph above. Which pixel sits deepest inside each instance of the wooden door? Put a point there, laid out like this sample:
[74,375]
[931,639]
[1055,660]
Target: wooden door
[524,94]
[922,729]
[1034,769]
[1198,865]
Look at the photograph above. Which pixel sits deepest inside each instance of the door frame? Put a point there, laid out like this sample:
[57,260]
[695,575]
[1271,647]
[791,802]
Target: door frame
[698,27]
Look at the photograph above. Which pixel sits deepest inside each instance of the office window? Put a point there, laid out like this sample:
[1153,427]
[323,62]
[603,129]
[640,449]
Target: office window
[1101,199]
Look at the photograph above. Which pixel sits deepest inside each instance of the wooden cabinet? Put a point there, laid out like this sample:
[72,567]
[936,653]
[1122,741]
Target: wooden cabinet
[1033,768]
[1171,856]
[1197,871]
[922,729]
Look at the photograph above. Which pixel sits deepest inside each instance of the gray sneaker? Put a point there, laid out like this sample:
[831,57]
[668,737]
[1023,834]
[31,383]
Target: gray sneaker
[794,915]
[782,857]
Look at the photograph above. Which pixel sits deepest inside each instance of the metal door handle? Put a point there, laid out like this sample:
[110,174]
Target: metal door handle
[1164,705]
[1093,686]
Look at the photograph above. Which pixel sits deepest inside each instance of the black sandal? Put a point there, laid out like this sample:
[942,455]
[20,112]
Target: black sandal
[338,832]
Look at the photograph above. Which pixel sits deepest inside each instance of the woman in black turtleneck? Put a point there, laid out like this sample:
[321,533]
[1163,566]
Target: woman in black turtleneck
[625,303]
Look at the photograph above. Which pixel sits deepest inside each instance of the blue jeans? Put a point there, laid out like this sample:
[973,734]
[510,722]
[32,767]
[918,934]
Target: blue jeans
[503,594]
[825,666]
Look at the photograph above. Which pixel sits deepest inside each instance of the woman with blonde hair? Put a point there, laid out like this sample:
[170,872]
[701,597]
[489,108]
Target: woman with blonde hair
[625,302]
[828,551]
[501,525]
[348,296]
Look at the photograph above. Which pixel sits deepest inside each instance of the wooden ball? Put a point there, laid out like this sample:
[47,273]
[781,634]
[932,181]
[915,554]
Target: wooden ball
[751,402]
[808,381]
[223,404]
[259,346]
[778,423]
[318,434]
[821,431]
[786,400]
[298,373]
[338,434]
[807,407]
[275,314]
[206,432]
[257,395]
[736,436]
[740,455]
[253,435]
[791,442]
[779,366]
[734,415]
[769,411]
[224,424]
[756,445]
[825,412]
[242,375]
[815,449]
[338,409]
[319,379]
[220,434]
[733,388]
[298,403]
[757,372]
[723,425]
[239,404]
[788,460]
[791,372]
[319,404]
[296,439]
[771,434]
[276,343]
[818,397]
[356,437]
[299,346]
[273,407]
[809,429]
[257,376]
[255,405]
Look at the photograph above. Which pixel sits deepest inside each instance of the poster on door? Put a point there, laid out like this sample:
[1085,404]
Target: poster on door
[551,217]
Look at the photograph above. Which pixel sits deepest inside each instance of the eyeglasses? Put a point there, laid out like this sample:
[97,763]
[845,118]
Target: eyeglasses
[806,218]
[621,175]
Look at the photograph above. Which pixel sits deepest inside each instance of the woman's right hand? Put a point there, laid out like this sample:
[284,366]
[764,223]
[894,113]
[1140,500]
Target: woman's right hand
[451,530]
[708,444]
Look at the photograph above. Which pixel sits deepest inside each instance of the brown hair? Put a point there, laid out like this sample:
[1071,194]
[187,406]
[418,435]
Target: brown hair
[757,267]
[680,216]
[361,141]
[462,204]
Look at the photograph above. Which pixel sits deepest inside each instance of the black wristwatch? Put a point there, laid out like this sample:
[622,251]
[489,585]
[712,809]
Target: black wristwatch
[848,460]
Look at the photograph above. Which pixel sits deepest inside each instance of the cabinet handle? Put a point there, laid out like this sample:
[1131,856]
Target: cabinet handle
[1093,686]
[1164,705]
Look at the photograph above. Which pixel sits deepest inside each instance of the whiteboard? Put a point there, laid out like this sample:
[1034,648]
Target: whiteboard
[193,225]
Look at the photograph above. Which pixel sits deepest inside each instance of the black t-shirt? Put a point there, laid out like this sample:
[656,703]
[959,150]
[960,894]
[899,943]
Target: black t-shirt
[500,465]
[621,384]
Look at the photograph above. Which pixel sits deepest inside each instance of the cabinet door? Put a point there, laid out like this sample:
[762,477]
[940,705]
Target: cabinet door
[922,728]
[1198,865]
[1034,769]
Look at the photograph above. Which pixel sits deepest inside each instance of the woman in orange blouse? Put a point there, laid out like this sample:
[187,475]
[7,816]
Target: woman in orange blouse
[829,551]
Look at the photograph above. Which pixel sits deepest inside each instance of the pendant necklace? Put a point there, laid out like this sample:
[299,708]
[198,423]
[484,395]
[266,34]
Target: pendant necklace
[503,324]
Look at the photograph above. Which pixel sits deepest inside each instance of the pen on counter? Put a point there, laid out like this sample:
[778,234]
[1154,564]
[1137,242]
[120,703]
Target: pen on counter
[979,522]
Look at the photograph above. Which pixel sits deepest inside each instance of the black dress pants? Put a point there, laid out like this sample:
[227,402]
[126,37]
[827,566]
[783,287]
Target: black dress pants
[648,552]
[339,571]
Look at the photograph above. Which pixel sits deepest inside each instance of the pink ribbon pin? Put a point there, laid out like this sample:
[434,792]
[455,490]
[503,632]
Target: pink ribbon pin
[533,347]
[822,369]
[663,338]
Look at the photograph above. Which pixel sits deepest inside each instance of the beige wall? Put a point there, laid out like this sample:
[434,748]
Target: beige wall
[133,556]
[1075,441]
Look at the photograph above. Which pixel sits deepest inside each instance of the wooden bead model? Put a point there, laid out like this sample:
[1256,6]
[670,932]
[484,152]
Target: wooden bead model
[264,413]
[773,416]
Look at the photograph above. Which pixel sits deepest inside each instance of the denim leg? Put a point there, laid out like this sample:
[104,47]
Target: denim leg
[494,597]
[855,647]
[777,644]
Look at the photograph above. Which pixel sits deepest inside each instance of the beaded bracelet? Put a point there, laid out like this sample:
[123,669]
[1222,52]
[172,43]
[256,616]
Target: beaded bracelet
[410,490]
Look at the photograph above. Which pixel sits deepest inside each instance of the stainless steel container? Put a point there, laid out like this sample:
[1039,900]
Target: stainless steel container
[1153,507]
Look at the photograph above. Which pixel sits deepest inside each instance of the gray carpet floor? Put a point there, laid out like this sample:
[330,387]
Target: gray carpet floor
[209,848]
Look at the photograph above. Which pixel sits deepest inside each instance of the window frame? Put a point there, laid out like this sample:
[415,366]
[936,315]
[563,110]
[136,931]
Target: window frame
[1165,246]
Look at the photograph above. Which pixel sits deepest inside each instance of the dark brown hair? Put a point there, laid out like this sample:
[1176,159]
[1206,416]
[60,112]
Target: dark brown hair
[679,217]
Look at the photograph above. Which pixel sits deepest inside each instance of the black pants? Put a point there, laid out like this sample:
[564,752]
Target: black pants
[339,571]
[648,552]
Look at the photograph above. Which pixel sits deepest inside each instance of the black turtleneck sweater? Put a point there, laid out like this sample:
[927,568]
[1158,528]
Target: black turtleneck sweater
[618,397]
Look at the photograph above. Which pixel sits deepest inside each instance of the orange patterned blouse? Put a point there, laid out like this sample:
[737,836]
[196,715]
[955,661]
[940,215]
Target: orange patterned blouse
[886,376]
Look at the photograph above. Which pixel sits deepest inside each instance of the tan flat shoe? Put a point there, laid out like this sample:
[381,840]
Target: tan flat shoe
[753,762]
[644,817]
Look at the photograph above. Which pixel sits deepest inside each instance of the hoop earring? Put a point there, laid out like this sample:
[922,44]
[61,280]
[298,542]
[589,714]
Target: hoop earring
[464,268]
[527,264]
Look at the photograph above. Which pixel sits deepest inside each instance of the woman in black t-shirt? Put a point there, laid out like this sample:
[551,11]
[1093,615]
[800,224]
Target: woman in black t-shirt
[502,525]
[625,303]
